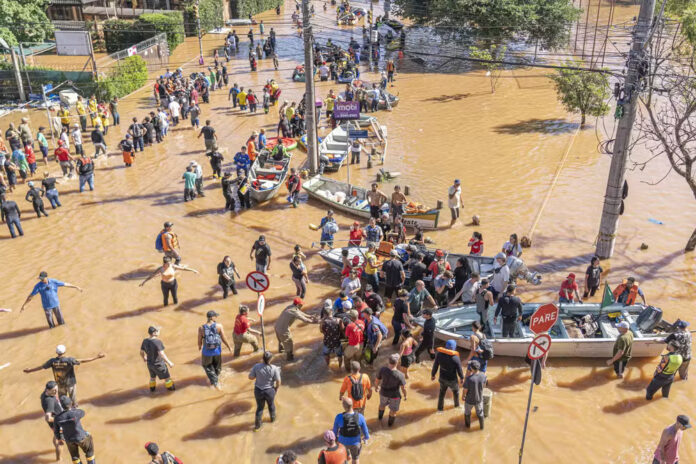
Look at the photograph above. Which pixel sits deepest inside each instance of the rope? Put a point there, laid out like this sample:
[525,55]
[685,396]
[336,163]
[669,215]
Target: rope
[553,184]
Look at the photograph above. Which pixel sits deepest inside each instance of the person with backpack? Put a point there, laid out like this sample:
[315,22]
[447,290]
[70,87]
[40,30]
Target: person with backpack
[449,364]
[85,168]
[266,379]
[355,333]
[137,131]
[375,333]
[481,349]
[351,429]
[294,185]
[67,428]
[97,137]
[357,386]
[127,149]
[335,453]
[167,242]
[211,335]
[160,458]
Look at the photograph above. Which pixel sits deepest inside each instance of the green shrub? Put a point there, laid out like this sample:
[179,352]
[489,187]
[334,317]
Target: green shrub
[130,74]
[210,11]
[242,8]
[171,23]
[120,34]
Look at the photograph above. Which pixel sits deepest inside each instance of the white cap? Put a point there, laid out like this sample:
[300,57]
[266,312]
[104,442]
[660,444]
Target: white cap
[347,304]
[500,256]
[60,349]
[623,325]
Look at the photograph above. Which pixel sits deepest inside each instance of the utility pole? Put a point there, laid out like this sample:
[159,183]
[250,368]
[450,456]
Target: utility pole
[613,198]
[198,29]
[369,34]
[310,107]
[18,75]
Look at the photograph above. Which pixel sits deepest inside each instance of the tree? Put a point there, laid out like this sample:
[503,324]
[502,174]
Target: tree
[543,22]
[583,92]
[491,56]
[26,19]
[667,118]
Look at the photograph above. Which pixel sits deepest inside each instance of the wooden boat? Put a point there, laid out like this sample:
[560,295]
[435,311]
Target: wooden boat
[267,175]
[571,336]
[336,146]
[352,199]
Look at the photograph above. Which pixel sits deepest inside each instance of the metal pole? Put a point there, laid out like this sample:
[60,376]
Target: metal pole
[310,108]
[198,28]
[18,76]
[263,334]
[617,172]
[594,40]
[529,404]
[369,33]
[48,115]
[91,55]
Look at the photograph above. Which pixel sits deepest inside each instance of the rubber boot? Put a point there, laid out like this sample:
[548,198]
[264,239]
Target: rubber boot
[467,420]
[481,420]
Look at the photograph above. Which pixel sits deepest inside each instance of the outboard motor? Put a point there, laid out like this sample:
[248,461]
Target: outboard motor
[648,319]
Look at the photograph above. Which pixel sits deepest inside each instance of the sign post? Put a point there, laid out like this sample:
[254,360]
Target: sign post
[258,282]
[346,110]
[260,306]
[543,318]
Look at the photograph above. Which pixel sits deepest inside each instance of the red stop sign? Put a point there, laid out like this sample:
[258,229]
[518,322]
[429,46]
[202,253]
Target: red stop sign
[543,318]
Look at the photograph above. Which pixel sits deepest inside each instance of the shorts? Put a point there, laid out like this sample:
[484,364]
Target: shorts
[407,360]
[389,290]
[210,144]
[478,406]
[158,370]
[338,351]
[392,403]
[354,450]
[353,352]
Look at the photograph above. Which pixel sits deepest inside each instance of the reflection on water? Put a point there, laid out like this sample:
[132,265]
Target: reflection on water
[505,147]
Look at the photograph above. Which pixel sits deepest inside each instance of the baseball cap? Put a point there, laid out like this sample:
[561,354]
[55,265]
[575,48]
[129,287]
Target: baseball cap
[43,275]
[211,313]
[571,276]
[500,256]
[367,311]
[368,288]
[152,329]
[51,384]
[428,312]
[65,401]
[456,181]
[356,223]
[474,365]
[622,325]
[682,324]
[152,448]
[297,301]
[329,436]
[439,252]
[262,238]
[60,349]
[347,304]
[168,224]
[684,421]
[451,345]
[394,253]
[30,184]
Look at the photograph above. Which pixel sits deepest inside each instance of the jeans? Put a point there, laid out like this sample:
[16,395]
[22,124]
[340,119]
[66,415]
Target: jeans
[427,344]
[372,279]
[189,194]
[52,196]
[301,287]
[49,316]
[44,151]
[138,142]
[212,365]
[88,179]
[229,203]
[117,118]
[167,288]
[83,122]
[660,381]
[199,186]
[99,147]
[11,224]
[227,285]
[444,385]
[374,105]
[262,398]
[398,327]
[39,208]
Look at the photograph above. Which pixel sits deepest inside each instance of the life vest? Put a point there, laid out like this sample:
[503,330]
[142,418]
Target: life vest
[674,361]
[337,456]
[632,293]
[175,241]
[444,350]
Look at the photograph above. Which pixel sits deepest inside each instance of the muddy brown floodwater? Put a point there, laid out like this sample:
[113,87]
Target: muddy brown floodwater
[506,148]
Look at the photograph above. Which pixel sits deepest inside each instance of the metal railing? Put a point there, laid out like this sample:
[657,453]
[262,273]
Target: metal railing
[155,52]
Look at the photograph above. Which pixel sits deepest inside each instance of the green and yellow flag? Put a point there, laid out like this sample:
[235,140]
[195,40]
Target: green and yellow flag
[608,297]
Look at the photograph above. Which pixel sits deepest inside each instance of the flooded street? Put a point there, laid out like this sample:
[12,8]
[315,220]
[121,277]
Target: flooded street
[506,148]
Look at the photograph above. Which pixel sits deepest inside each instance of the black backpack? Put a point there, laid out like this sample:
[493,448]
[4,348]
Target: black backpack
[486,348]
[351,427]
[357,392]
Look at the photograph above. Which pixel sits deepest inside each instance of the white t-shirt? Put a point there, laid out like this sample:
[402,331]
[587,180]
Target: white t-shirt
[500,279]
[511,250]
[456,200]
[66,139]
[323,71]
[350,286]
[77,136]
[174,107]
[469,290]
[164,118]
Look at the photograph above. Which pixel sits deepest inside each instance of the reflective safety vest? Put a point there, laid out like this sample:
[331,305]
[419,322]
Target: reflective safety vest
[175,241]
[337,456]
[632,293]
[671,363]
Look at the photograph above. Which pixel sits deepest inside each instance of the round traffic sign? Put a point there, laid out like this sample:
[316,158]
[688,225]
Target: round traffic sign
[539,346]
[257,281]
[543,318]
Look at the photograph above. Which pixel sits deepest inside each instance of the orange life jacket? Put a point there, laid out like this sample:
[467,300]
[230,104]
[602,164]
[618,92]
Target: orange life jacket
[337,456]
[632,293]
[444,350]
[175,241]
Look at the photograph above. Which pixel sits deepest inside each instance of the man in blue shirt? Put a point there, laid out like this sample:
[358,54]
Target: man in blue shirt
[348,427]
[48,289]
[242,161]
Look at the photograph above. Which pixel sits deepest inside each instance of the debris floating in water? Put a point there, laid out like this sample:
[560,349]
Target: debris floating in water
[656,221]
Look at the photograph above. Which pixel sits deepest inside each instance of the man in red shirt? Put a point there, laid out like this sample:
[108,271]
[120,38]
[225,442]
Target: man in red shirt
[64,159]
[439,265]
[569,290]
[355,333]
[243,333]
